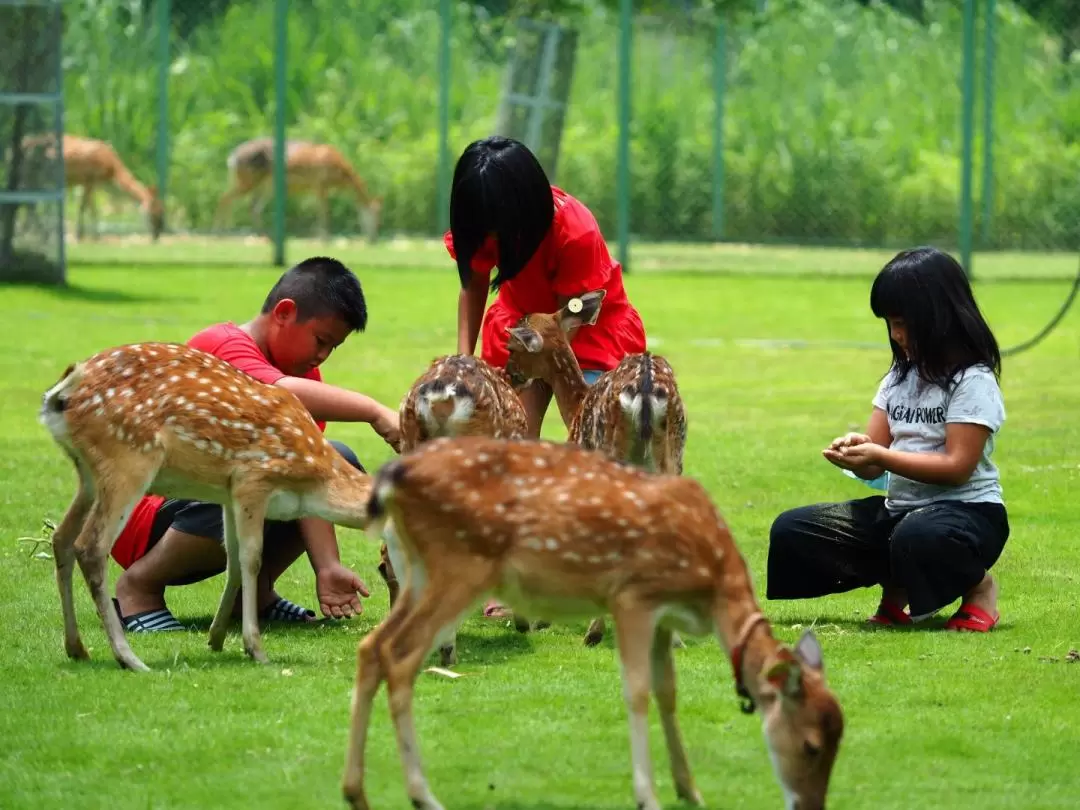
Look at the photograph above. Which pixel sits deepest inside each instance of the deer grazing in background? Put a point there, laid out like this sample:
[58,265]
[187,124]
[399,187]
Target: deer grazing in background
[633,413]
[174,421]
[310,168]
[556,530]
[458,395]
[90,163]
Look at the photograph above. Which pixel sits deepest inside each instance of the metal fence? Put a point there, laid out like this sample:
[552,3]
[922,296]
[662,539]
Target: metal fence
[810,122]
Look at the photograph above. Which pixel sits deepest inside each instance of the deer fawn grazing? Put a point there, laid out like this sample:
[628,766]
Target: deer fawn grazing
[90,163]
[458,395]
[309,167]
[174,421]
[563,531]
[633,413]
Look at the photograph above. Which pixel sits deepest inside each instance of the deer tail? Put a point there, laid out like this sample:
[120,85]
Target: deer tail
[642,404]
[383,489]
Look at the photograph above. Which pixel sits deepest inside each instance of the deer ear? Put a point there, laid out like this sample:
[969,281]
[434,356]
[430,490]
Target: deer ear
[526,337]
[582,310]
[785,676]
[808,650]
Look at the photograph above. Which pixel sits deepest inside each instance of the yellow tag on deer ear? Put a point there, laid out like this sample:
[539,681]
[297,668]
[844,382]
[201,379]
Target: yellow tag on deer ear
[574,305]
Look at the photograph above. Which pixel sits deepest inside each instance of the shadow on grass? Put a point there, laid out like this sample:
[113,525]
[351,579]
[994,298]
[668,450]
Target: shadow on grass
[96,295]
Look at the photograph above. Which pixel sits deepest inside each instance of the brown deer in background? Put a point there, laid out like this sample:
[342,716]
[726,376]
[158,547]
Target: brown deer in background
[174,421]
[556,530]
[633,413]
[309,168]
[91,163]
[458,395]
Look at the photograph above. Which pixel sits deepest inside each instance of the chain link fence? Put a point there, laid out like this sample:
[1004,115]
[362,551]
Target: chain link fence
[800,122]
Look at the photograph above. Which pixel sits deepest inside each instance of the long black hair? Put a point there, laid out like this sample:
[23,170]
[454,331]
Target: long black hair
[946,332]
[499,188]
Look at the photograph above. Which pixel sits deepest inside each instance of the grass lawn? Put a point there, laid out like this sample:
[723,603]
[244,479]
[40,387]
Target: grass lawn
[934,719]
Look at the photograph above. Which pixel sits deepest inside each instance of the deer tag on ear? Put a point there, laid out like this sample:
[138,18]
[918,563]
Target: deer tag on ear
[526,337]
[581,310]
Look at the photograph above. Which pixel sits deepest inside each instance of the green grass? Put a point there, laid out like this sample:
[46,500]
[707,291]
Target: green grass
[933,719]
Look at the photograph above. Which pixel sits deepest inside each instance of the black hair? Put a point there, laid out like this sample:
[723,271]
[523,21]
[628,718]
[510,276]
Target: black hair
[946,332]
[321,287]
[499,187]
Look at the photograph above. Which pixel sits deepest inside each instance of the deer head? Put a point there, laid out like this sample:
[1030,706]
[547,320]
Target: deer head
[371,218]
[154,209]
[539,344]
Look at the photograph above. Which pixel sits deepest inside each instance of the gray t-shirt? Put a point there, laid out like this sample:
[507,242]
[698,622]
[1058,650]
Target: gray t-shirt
[918,412]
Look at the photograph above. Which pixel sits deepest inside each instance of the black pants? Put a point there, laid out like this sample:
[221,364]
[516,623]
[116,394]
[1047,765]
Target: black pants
[204,519]
[936,553]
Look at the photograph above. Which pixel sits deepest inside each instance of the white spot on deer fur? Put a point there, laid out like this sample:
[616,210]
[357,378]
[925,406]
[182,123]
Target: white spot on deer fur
[175,378]
[97,400]
[216,448]
[613,556]
[138,407]
[146,448]
[110,393]
[309,460]
[589,476]
[552,544]
[594,559]
[99,412]
[214,389]
[684,564]
[703,570]
[645,554]
[533,543]
[200,444]
[461,534]
[572,556]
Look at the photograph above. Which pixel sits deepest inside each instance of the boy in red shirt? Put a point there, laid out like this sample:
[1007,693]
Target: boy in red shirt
[309,312]
[548,249]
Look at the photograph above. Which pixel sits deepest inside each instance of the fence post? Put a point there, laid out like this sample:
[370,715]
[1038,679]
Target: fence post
[719,93]
[968,134]
[442,216]
[626,19]
[989,42]
[281,27]
[164,29]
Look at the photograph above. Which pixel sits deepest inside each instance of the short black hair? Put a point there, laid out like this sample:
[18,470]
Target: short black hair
[499,187]
[946,333]
[321,287]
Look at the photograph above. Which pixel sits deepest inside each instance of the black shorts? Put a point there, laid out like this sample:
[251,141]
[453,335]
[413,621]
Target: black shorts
[204,519]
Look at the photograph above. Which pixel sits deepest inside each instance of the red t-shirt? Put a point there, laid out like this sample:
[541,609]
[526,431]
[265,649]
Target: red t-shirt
[232,344]
[572,259]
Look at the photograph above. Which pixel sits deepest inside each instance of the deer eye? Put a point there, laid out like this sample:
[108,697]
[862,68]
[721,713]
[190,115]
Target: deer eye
[810,749]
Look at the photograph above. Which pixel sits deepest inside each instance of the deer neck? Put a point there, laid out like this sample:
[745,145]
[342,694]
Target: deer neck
[568,384]
[748,639]
[346,496]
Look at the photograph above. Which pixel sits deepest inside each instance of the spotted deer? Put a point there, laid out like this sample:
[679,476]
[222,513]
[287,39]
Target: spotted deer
[309,168]
[557,530]
[458,395]
[90,163]
[633,413]
[174,421]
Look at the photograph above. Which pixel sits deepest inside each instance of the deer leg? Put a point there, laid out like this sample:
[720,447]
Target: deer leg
[595,633]
[663,681]
[369,675]
[233,579]
[250,514]
[107,517]
[439,607]
[635,628]
[80,227]
[324,212]
[63,544]
[224,206]
[95,231]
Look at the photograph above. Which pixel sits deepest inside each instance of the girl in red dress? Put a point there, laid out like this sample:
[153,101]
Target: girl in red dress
[546,248]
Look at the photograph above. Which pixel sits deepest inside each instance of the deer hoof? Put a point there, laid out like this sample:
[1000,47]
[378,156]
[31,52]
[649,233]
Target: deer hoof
[447,655]
[521,624]
[76,650]
[593,638]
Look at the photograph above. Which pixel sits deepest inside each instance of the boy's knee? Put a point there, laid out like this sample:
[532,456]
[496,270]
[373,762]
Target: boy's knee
[348,454]
[788,526]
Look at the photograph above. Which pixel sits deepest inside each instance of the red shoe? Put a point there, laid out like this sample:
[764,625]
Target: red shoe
[972,618]
[889,615]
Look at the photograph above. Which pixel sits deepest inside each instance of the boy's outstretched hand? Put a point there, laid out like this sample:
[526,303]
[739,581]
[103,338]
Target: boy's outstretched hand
[339,591]
[388,425]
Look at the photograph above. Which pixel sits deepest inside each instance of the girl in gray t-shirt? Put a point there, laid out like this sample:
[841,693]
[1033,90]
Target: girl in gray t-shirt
[934,536]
